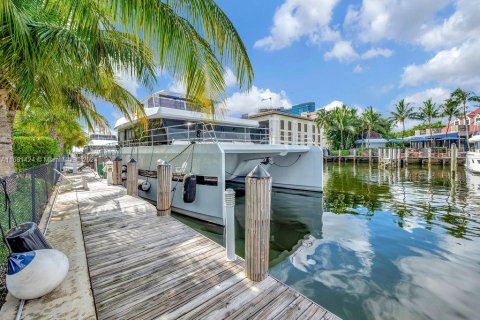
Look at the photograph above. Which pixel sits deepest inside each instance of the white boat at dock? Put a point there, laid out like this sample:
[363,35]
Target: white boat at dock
[473,156]
[216,149]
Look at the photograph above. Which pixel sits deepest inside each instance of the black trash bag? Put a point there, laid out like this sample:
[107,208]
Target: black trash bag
[26,237]
[189,188]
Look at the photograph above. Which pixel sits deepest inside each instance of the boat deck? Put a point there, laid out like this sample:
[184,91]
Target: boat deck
[143,266]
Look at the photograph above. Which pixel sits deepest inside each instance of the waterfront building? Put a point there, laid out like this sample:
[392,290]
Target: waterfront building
[298,109]
[285,128]
[374,141]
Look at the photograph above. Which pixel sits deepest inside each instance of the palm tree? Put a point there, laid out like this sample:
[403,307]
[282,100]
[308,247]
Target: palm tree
[342,119]
[370,118]
[403,111]
[462,97]
[51,51]
[321,121]
[428,112]
[450,109]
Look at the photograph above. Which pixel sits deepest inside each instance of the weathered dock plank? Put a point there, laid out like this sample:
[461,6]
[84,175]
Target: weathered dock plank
[144,266]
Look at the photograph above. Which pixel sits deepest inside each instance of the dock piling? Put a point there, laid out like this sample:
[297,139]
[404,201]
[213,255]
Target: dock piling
[164,188]
[258,194]
[132,178]
[117,171]
[230,224]
[453,158]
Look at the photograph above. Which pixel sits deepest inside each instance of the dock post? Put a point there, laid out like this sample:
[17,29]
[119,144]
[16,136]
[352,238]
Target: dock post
[429,155]
[370,156]
[354,155]
[95,164]
[406,157]
[164,188]
[379,155]
[117,171]
[399,157]
[132,178]
[230,224]
[453,158]
[258,194]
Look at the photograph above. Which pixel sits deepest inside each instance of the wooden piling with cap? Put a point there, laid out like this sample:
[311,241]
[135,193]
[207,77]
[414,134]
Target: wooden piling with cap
[258,194]
[132,178]
[164,188]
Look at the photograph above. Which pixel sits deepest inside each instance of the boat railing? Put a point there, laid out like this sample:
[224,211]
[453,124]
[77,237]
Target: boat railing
[198,132]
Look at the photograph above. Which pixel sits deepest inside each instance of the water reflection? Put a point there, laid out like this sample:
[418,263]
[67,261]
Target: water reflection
[379,244]
[393,244]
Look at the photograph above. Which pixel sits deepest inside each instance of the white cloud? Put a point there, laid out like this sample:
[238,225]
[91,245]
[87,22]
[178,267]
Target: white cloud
[296,19]
[462,25]
[246,102]
[358,69]
[229,77]
[177,87]
[438,95]
[123,78]
[376,20]
[457,66]
[333,105]
[342,51]
[377,52]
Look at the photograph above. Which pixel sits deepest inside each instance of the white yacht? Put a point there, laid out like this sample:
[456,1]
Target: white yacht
[473,155]
[100,141]
[216,149]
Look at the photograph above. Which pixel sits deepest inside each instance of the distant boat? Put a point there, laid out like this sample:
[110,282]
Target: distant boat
[473,156]
[99,142]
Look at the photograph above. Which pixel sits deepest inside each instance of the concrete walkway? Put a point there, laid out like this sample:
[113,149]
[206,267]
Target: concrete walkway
[73,298]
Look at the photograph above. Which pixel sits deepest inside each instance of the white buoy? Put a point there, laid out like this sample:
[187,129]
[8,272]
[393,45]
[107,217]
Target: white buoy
[33,274]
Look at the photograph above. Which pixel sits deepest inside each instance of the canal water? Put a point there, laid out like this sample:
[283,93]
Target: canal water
[379,244]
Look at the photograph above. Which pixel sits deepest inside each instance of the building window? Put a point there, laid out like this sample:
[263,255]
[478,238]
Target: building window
[457,122]
[299,127]
[289,136]
[282,136]
[305,139]
[289,125]
[282,124]
[305,128]
[313,129]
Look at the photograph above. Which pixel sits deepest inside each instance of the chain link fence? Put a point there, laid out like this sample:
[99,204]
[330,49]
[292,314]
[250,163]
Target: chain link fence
[23,198]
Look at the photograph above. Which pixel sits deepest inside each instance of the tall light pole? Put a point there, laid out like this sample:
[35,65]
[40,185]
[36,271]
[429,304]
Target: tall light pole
[269,98]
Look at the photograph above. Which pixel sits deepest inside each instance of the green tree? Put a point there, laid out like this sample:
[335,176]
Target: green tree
[450,109]
[370,118]
[427,112]
[321,121]
[53,50]
[463,97]
[403,111]
[342,119]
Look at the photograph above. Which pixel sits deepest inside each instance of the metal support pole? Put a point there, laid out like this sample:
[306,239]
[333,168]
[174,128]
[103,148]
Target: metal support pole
[34,196]
[164,188]
[117,171]
[132,178]
[258,193]
[230,224]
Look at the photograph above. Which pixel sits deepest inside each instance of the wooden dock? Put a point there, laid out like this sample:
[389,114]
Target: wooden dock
[143,266]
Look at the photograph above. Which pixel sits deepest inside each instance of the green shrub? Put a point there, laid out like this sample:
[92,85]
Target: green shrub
[33,151]
[341,152]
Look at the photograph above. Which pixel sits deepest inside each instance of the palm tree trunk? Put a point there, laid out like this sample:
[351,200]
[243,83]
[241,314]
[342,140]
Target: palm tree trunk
[7,115]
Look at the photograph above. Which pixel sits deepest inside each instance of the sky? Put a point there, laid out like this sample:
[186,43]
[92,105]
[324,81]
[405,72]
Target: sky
[361,53]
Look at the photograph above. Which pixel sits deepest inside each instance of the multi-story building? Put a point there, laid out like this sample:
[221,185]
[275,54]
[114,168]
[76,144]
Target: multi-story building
[285,128]
[460,125]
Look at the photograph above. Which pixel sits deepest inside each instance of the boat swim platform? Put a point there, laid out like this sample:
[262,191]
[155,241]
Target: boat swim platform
[133,264]
[144,266]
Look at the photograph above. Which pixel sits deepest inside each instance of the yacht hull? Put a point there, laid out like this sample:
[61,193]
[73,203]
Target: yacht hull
[291,167]
[472,162]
